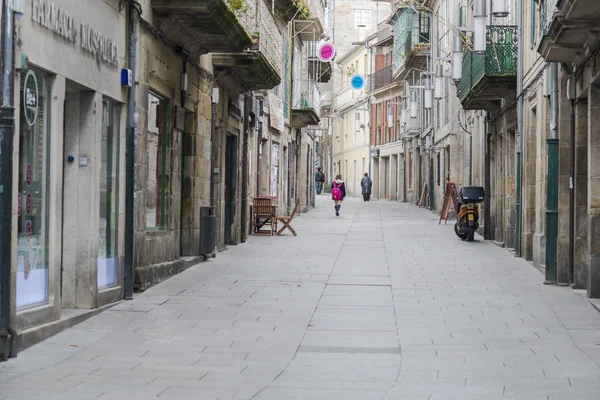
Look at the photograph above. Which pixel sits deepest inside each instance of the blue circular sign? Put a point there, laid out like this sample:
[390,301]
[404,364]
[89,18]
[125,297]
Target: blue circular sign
[357,82]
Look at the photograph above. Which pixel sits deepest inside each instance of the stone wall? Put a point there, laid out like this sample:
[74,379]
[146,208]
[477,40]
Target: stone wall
[186,158]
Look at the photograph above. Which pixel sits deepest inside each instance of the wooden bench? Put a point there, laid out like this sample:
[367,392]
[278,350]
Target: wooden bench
[286,221]
[264,215]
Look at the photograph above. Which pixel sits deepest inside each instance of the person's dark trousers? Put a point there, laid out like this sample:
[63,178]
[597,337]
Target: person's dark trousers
[368,197]
[365,197]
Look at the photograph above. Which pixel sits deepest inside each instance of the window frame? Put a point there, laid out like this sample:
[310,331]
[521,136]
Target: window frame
[161,225]
[362,12]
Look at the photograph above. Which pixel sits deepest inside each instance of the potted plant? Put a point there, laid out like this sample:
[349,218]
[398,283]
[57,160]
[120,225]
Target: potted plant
[255,40]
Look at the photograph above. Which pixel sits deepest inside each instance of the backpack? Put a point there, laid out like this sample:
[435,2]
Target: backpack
[336,193]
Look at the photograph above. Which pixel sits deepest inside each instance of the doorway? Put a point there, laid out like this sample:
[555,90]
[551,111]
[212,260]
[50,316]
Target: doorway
[230,185]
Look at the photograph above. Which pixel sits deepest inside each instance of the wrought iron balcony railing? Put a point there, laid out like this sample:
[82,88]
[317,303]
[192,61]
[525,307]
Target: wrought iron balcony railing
[498,62]
[381,78]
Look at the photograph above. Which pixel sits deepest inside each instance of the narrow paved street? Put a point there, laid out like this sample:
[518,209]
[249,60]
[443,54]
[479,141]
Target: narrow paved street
[379,303]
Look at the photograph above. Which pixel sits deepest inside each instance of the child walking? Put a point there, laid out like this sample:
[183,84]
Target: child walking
[338,193]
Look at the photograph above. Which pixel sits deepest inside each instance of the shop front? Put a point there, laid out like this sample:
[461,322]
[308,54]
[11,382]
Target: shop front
[69,161]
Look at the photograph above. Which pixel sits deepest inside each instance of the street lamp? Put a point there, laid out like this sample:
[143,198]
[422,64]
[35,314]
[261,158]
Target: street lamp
[479,15]
[457,56]
[500,8]
[439,82]
[428,95]
[413,104]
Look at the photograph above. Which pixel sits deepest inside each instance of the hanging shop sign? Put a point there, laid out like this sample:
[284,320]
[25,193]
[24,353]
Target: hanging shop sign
[357,82]
[45,13]
[326,52]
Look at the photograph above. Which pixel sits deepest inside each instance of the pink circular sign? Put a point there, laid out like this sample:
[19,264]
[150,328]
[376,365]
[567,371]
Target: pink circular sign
[326,52]
[28,175]
[28,230]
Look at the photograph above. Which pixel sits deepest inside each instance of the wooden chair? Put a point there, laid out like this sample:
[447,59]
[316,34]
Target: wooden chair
[264,214]
[286,221]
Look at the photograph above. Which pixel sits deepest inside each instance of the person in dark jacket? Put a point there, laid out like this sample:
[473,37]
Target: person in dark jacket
[319,180]
[338,193]
[367,184]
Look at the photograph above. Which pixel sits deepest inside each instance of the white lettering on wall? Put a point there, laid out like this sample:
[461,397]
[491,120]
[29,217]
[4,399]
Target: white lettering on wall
[46,14]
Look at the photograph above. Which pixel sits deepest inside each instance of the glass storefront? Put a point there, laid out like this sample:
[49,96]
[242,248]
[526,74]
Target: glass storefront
[32,203]
[109,190]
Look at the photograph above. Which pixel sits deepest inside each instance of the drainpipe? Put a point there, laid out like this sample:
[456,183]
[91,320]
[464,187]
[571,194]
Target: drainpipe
[572,198]
[552,187]
[405,156]
[8,336]
[131,150]
[246,127]
[519,149]
[258,148]
[487,212]
[213,126]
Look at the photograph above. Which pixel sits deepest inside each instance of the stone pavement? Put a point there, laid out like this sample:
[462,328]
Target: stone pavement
[379,303]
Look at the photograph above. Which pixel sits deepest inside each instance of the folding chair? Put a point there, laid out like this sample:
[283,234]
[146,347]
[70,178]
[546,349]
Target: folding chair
[286,221]
[264,214]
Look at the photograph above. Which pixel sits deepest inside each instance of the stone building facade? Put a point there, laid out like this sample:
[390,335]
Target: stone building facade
[68,169]
[200,130]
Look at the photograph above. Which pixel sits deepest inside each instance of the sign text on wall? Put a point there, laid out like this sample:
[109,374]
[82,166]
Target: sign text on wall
[46,14]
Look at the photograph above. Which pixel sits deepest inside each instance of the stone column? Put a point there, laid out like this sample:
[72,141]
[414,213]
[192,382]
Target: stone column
[563,259]
[594,191]
[81,200]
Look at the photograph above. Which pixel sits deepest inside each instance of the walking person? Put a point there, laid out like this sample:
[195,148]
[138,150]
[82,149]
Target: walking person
[367,184]
[319,180]
[338,193]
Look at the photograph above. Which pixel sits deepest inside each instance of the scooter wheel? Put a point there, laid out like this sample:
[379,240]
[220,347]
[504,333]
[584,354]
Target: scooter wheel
[461,235]
[470,233]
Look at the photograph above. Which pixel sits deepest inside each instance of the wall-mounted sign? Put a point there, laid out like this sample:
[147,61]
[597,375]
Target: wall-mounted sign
[46,14]
[357,82]
[30,98]
[326,52]
[276,112]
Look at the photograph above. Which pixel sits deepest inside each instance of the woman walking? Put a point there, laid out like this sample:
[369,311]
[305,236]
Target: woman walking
[338,193]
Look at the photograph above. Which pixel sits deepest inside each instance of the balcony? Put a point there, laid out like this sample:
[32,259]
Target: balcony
[381,79]
[205,26]
[298,9]
[306,105]
[411,42]
[260,66]
[347,97]
[567,27]
[385,35]
[491,76]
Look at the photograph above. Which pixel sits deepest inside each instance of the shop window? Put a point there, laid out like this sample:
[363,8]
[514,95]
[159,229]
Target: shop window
[156,137]
[109,196]
[32,202]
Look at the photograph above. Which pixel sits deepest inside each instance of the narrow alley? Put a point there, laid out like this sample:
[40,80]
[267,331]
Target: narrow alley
[379,303]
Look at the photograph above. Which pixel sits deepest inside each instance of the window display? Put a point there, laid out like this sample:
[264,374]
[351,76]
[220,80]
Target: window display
[32,258]
[109,195]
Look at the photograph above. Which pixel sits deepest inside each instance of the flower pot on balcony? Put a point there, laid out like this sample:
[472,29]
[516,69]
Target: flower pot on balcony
[255,41]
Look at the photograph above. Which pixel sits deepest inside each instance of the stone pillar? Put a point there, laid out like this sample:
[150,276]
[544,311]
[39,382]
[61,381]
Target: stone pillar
[81,200]
[580,240]
[541,177]
[563,258]
[375,178]
[594,191]
[394,177]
